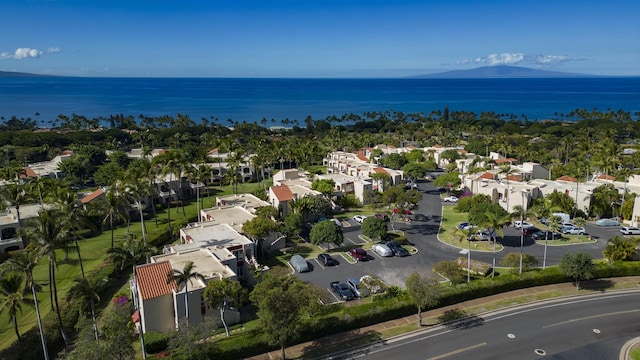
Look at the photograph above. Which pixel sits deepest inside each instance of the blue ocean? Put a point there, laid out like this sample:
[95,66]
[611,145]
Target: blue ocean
[253,99]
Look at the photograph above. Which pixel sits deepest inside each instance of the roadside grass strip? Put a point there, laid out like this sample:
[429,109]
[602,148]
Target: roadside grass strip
[569,240]
[365,238]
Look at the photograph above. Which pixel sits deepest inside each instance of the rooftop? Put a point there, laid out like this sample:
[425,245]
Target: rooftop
[247,201]
[282,193]
[152,280]
[205,234]
[234,216]
[205,263]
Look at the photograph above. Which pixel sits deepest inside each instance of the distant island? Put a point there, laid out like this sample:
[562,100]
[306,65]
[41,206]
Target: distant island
[501,71]
[14,74]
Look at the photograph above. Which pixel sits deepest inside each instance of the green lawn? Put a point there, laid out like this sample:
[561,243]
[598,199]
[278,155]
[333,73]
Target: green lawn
[568,240]
[94,255]
[635,353]
[448,234]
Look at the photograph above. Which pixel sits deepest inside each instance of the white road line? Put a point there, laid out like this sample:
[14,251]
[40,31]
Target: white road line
[319,263]
[351,241]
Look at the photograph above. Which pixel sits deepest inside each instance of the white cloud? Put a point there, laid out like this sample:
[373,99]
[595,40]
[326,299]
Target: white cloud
[27,53]
[518,58]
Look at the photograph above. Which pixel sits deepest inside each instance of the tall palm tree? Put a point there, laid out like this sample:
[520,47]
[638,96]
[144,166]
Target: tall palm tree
[116,206]
[198,174]
[521,213]
[507,171]
[467,234]
[48,232]
[544,210]
[86,293]
[184,277]
[12,297]
[495,223]
[73,215]
[25,261]
[137,189]
[172,163]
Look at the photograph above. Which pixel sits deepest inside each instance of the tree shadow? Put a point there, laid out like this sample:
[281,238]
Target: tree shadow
[597,285]
[457,319]
[340,342]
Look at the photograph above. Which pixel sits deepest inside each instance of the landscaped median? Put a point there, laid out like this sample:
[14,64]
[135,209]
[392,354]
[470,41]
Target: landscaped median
[449,235]
[568,240]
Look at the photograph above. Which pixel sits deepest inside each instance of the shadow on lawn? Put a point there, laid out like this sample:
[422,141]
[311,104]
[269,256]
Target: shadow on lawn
[597,285]
[457,319]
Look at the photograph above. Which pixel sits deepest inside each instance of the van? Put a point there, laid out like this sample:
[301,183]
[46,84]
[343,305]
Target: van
[564,217]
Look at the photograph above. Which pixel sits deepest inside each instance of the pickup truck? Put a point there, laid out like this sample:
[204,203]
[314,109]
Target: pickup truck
[342,290]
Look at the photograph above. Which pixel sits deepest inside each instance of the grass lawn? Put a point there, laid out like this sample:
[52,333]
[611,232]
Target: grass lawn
[634,354]
[94,256]
[568,240]
[448,234]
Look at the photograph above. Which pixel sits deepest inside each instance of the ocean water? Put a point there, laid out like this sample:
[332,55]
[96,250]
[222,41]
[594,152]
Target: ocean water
[252,99]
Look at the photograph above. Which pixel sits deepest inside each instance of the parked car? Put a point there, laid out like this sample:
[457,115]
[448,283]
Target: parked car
[529,230]
[630,230]
[565,228]
[337,222]
[397,249]
[577,230]
[384,217]
[342,290]
[481,235]
[299,263]
[327,260]
[357,289]
[359,254]
[429,178]
[463,225]
[451,199]
[522,224]
[382,250]
[359,218]
[546,234]
[607,222]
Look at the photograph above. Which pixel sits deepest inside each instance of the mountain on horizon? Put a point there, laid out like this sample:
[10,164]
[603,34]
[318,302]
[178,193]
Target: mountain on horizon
[500,71]
[14,74]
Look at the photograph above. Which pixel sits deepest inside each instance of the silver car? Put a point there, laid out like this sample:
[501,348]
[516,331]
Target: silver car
[299,263]
[382,250]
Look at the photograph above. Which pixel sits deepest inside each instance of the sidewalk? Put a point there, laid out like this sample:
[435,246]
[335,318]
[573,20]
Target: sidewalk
[471,307]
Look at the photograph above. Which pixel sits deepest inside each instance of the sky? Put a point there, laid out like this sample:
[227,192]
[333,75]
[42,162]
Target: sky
[323,38]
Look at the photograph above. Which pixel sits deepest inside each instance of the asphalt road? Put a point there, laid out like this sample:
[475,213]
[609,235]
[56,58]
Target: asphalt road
[594,327]
[422,233]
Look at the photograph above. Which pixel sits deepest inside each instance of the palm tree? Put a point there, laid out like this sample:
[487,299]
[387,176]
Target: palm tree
[12,298]
[495,223]
[544,210]
[131,253]
[172,163]
[507,170]
[183,278]
[86,293]
[198,174]
[25,261]
[116,206]
[137,188]
[520,212]
[467,234]
[48,232]
[73,217]
[16,196]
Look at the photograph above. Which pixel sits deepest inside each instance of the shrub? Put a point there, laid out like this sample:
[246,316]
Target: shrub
[155,342]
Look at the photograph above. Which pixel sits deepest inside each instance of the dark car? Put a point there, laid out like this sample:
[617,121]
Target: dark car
[327,260]
[359,254]
[342,290]
[548,235]
[397,249]
[530,231]
[384,217]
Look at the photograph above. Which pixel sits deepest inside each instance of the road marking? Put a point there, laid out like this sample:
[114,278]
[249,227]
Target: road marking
[319,264]
[455,352]
[591,317]
[351,241]
[511,336]
[334,295]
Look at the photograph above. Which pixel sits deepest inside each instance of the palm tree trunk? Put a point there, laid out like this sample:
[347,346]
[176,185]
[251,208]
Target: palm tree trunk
[44,343]
[420,316]
[284,355]
[224,323]
[144,233]
[55,297]
[93,316]
[79,257]
[493,269]
[15,326]
[112,232]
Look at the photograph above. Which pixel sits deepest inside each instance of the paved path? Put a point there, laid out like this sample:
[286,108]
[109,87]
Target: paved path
[475,307]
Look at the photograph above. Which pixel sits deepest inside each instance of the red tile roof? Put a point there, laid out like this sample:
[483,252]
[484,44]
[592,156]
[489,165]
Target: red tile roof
[94,195]
[28,172]
[487,175]
[606,177]
[380,170]
[462,151]
[567,178]
[282,193]
[362,157]
[212,151]
[152,280]
[514,178]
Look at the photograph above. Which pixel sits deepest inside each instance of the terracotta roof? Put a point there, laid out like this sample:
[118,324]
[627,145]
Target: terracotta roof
[380,170]
[514,178]
[282,193]
[212,151]
[411,147]
[437,146]
[362,157]
[28,172]
[502,160]
[152,280]
[67,152]
[94,195]
[567,178]
[487,175]
[606,177]
[462,151]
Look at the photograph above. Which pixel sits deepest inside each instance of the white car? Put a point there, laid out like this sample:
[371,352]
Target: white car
[452,199]
[359,218]
[382,250]
[578,230]
[630,230]
[522,224]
